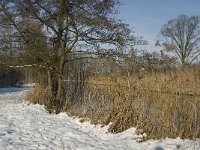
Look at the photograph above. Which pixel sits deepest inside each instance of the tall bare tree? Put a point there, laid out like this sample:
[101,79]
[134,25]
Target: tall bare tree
[181,36]
[63,25]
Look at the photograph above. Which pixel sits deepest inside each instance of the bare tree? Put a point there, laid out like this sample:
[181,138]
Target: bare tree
[181,36]
[63,25]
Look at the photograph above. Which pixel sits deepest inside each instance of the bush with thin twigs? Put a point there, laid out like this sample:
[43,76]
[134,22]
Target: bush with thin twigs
[10,76]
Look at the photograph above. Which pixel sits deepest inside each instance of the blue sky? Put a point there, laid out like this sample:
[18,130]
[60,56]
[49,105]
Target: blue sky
[148,16]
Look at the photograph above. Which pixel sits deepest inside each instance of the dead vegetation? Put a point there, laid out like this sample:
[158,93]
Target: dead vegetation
[162,104]
[158,104]
[39,95]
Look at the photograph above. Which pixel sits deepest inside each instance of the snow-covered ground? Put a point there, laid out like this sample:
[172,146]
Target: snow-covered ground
[24,127]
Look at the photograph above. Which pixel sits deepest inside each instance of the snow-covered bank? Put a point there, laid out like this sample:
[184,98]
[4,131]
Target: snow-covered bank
[32,127]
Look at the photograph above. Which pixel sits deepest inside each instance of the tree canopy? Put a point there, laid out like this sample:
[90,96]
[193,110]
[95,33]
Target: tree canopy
[181,36]
[50,30]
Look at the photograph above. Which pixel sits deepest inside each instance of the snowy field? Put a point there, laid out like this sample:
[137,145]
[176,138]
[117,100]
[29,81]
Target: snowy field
[30,127]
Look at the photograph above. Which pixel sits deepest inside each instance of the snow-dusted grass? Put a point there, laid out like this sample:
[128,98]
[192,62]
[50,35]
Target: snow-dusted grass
[24,126]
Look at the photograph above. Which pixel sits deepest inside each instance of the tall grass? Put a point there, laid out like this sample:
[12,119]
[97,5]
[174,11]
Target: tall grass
[40,95]
[158,104]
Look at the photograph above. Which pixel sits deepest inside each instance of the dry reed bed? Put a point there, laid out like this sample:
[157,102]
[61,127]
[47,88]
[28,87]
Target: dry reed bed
[160,105]
[181,82]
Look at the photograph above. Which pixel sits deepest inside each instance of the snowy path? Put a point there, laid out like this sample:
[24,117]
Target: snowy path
[24,127]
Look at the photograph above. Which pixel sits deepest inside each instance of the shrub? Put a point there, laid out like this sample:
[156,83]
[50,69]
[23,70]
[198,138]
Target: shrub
[40,95]
[10,76]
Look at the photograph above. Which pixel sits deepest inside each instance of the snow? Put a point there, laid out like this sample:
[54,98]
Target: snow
[26,126]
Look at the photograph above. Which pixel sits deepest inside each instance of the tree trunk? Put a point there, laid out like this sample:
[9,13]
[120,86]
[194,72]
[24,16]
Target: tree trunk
[59,87]
[50,81]
[183,63]
[59,95]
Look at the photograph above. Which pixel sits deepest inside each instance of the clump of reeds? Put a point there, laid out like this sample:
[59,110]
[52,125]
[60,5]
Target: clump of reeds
[40,95]
[158,104]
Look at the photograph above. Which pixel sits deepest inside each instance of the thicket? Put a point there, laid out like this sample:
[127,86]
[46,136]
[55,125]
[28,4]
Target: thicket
[10,76]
